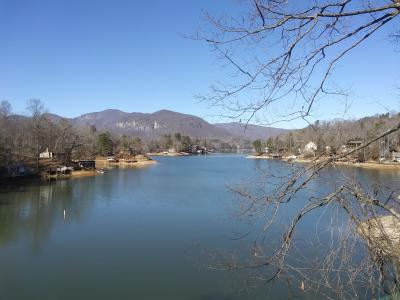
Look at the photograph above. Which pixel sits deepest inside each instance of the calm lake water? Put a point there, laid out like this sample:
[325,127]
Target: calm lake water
[135,233]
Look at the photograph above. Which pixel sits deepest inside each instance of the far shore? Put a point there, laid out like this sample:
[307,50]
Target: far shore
[371,165]
[366,165]
[103,163]
[170,154]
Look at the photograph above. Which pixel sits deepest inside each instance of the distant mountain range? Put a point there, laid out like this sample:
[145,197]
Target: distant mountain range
[154,125]
[249,131]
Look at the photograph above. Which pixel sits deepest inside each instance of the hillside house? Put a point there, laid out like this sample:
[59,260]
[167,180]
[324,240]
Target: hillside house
[328,150]
[46,154]
[310,147]
[352,144]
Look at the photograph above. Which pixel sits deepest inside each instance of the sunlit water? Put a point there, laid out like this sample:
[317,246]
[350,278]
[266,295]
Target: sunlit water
[134,233]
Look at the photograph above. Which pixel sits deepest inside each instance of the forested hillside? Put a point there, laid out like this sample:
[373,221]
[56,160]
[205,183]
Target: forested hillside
[331,136]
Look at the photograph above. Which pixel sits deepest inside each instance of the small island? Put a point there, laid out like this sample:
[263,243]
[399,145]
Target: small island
[125,159]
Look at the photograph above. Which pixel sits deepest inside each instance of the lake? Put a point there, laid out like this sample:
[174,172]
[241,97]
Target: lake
[148,233]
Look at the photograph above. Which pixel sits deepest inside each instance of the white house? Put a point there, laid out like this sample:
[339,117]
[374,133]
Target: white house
[171,150]
[311,147]
[328,149]
[46,154]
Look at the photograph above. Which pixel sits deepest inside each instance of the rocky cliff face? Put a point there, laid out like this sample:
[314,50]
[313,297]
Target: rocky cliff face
[154,125]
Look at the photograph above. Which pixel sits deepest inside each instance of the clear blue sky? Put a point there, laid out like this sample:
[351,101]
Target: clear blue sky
[81,56]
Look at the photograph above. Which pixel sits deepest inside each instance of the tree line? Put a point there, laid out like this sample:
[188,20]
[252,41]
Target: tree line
[331,136]
[23,138]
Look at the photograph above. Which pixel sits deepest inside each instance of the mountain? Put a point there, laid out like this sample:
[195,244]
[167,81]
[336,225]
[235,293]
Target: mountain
[154,125]
[151,125]
[251,132]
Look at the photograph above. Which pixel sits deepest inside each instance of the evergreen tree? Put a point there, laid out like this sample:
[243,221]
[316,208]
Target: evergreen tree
[257,146]
[104,144]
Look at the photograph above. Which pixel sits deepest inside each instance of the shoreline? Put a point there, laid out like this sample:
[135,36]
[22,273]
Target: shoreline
[364,165]
[369,165]
[173,154]
[258,157]
[42,176]
[103,163]
[73,174]
[83,173]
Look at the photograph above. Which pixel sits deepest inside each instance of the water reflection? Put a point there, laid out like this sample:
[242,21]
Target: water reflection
[33,211]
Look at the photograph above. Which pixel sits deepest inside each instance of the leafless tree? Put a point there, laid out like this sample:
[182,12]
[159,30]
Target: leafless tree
[68,139]
[283,54]
[5,110]
[37,110]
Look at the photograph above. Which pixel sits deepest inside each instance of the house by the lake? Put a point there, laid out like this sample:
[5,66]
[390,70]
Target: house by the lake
[353,144]
[310,147]
[195,149]
[86,164]
[46,154]
[17,170]
[276,155]
[328,150]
